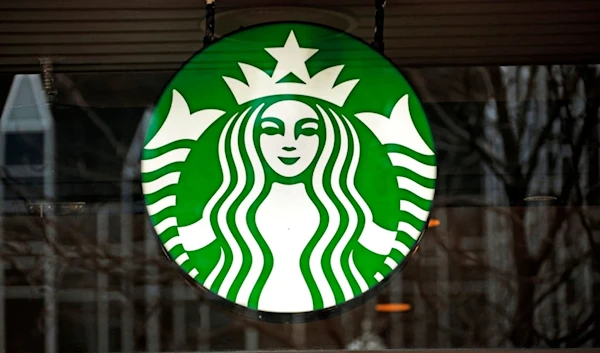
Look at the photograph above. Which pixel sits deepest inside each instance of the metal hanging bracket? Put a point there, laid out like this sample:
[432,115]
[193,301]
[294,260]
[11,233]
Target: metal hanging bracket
[209,32]
[378,43]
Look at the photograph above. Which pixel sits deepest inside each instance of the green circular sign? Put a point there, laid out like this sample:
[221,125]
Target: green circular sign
[288,168]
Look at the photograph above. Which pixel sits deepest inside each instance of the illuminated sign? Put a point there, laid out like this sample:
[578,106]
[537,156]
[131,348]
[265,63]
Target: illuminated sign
[288,168]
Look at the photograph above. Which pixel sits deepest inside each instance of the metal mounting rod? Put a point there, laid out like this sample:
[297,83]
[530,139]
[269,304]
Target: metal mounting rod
[379,16]
[209,33]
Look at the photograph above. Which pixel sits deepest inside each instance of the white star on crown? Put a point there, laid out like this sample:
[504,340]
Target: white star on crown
[291,58]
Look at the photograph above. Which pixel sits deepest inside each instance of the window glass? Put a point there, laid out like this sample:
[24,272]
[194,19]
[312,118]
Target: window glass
[510,254]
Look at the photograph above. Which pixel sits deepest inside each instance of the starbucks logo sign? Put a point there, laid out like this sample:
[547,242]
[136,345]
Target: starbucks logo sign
[288,168]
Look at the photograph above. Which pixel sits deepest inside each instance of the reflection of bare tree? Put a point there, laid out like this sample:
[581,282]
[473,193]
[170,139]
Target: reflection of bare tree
[533,134]
[534,130]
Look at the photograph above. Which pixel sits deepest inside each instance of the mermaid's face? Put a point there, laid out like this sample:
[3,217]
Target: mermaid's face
[288,138]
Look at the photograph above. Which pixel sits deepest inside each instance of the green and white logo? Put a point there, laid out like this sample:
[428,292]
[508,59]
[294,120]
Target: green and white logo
[288,168]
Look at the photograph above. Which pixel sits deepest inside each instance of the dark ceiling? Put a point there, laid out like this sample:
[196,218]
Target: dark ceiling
[125,35]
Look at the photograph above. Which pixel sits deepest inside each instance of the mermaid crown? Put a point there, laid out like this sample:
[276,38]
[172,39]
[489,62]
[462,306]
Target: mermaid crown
[290,59]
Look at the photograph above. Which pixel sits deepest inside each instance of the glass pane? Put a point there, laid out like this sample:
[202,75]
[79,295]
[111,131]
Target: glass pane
[509,258]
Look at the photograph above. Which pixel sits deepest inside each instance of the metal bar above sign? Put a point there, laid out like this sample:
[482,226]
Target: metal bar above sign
[378,43]
[209,34]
